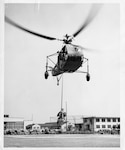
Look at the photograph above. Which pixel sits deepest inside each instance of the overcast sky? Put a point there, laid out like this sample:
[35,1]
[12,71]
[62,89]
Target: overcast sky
[27,93]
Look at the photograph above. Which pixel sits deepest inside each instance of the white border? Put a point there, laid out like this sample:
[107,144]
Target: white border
[1,70]
[122,70]
[62,1]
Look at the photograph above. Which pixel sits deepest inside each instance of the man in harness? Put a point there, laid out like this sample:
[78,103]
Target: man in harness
[61,117]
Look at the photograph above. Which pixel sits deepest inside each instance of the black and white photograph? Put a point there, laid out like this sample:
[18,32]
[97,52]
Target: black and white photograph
[61,75]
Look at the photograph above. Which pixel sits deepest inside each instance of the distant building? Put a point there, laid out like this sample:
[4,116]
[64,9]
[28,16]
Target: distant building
[92,124]
[36,127]
[81,123]
[13,123]
[27,122]
[50,125]
[95,124]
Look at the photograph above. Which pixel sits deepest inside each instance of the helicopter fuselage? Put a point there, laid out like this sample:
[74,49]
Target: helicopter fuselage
[70,58]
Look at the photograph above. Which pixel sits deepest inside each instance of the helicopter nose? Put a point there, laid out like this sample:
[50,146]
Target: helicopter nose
[78,51]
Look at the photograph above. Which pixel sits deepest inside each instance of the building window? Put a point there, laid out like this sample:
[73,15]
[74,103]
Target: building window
[97,126]
[114,119]
[103,120]
[109,120]
[15,125]
[118,119]
[103,126]
[85,120]
[91,121]
[109,126]
[97,120]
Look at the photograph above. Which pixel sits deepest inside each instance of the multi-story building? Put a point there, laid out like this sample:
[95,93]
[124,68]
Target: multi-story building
[13,123]
[95,124]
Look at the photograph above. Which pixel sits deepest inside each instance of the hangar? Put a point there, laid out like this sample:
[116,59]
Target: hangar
[13,123]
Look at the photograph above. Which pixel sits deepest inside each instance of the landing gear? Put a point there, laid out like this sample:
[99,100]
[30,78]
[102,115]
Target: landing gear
[49,68]
[87,77]
[85,60]
[46,75]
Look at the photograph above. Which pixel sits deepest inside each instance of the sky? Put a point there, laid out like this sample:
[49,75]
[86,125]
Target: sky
[26,92]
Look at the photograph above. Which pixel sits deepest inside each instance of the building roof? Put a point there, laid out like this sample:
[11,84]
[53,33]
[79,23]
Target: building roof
[13,119]
[99,117]
[49,124]
[78,119]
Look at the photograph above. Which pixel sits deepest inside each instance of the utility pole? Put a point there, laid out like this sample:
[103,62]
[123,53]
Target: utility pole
[62,94]
[66,115]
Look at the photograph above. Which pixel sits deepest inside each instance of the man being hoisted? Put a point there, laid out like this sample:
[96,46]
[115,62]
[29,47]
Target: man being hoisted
[61,117]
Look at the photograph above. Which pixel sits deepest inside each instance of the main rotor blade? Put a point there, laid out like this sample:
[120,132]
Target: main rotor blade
[27,30]
[84,48]
[93,12]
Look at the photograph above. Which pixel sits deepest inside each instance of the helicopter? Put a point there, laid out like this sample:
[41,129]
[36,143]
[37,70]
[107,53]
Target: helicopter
[70,58]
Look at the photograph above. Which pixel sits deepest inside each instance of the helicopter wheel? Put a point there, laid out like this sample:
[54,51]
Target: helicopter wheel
[87,77]
[46,75]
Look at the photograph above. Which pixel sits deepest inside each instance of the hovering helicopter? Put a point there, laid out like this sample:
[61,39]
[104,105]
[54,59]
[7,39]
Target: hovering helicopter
[70,58]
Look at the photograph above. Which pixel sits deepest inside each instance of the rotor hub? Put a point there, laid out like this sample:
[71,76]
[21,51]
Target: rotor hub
[67,39]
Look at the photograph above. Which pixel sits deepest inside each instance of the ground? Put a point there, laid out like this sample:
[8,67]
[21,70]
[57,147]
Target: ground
[62,140]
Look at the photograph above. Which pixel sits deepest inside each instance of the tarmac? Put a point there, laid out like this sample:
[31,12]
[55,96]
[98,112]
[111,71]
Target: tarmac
[62,140]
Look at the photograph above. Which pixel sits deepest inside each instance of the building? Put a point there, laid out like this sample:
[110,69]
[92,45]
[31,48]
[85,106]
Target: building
[27,122]
[13,123]
[50,125]
[80,123]
[36,127]
[92,124]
